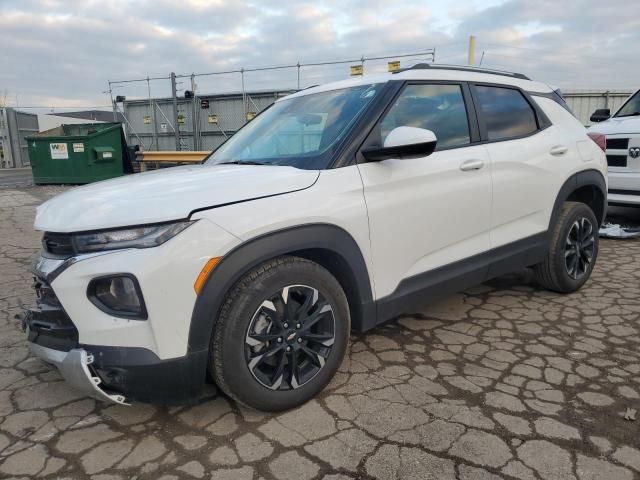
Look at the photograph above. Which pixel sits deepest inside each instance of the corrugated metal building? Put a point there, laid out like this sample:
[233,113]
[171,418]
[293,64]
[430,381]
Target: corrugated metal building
[14,127]
[204,122]
[583,102]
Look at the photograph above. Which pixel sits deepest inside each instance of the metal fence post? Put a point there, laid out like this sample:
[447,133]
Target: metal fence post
[244,96]
[113,104]
[175,111]
[153,118]
[194,117]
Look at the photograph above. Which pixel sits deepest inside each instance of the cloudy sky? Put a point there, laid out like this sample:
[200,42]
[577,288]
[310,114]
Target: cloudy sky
[62,53]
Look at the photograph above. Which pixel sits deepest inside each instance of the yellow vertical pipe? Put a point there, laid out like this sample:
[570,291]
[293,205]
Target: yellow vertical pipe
[472,50]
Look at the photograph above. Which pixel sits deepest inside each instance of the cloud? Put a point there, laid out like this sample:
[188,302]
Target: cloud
[65,51]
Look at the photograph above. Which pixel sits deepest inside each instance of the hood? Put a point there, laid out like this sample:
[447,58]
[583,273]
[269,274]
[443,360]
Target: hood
[616,125]
[166,194]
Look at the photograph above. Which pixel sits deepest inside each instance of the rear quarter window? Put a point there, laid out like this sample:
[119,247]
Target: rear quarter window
[506,113]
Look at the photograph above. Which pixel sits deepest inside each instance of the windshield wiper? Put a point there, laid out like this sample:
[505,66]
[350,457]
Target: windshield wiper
[242,162]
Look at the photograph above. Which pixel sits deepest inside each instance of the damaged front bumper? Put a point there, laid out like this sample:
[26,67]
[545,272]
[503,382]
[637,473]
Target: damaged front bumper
[75,368]
[111,373]
[53,337]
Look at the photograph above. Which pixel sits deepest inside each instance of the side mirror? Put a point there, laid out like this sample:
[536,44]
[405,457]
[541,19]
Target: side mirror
[600,115]
[403,142]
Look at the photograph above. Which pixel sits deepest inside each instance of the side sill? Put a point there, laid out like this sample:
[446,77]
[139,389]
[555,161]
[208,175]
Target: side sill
[415,292]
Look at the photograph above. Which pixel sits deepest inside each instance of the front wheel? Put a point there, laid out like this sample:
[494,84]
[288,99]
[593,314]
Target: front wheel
[281,334]
[573,250]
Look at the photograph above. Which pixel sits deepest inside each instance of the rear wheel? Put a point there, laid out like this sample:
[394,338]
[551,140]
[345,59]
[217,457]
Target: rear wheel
[573,250]
[281,334]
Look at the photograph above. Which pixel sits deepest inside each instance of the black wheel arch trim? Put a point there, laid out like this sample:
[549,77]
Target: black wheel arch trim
[578,180]
[255,251]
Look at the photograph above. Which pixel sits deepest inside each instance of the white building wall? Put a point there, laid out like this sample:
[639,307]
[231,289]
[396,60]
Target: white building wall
[583,102]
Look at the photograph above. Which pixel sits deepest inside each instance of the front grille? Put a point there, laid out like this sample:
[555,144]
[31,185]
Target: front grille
[617,143]
[617,160]
[57,243]
[48,323]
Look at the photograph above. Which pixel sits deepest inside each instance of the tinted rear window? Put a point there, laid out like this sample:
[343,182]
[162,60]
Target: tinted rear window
[506,112]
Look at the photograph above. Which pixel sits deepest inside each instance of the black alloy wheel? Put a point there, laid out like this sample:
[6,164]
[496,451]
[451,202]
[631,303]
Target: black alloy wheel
[290,337]
[579,248]
[281,334]
[572,249]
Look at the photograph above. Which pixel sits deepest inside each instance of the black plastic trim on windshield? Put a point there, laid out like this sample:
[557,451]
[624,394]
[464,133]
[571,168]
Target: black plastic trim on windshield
[244,162]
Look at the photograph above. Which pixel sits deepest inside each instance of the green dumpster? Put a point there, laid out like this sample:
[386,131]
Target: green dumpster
[80,153]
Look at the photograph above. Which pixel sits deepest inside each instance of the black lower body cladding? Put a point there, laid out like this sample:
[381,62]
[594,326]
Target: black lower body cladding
[140,375]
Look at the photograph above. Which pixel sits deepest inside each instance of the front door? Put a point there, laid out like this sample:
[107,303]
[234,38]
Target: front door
[426,213]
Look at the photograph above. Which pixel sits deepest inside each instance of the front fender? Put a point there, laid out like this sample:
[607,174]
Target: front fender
[258,250]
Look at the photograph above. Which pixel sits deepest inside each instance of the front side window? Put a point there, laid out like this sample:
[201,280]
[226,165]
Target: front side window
[506,113]
[631,107]
[300,131]
[439,108]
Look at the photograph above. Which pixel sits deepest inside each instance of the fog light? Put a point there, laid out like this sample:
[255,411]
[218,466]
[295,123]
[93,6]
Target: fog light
[118,295]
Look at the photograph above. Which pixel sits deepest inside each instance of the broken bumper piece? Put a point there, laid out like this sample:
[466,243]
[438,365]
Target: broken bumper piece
[75,368]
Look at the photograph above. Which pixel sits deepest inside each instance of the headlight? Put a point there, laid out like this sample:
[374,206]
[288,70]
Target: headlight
[139,237]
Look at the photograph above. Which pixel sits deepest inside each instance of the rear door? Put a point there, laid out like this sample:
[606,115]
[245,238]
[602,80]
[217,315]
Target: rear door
[525,150]
[427,212]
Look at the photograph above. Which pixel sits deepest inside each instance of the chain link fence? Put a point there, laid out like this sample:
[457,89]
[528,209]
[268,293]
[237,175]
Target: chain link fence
[180,117]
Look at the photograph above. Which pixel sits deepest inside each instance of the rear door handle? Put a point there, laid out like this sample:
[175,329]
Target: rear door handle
[558,150]
[471,165]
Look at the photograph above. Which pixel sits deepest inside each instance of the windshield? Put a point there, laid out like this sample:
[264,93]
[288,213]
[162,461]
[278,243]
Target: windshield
[300,132]
[631,107]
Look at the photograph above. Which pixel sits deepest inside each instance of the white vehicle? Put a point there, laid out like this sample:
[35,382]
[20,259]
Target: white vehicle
[622,132]
[338,208]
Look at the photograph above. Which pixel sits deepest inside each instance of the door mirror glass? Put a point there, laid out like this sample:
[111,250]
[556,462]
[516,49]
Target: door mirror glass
[403,142]
[600,115]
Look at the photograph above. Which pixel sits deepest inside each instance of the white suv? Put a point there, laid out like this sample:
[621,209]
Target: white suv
[338,208]
[622,132]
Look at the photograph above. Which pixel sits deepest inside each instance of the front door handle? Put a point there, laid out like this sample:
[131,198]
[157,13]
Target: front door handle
[471,165]
[558,150]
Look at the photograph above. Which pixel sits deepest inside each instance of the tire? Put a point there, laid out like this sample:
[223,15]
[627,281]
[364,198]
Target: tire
[574,236]
[249,359]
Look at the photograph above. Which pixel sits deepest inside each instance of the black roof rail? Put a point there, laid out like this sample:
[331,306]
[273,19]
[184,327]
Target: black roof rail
[462,68]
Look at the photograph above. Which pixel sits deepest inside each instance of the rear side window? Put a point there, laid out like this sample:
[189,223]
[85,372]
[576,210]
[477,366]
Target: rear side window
[506,113]
[439,108]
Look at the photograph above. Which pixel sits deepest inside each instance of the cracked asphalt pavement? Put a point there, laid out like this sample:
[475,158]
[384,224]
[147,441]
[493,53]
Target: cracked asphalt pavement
[504,380]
